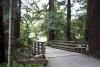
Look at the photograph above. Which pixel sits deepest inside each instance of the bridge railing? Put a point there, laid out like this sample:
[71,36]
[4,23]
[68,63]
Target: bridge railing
[30,51]
[68,45]
[39,48]
[34,54]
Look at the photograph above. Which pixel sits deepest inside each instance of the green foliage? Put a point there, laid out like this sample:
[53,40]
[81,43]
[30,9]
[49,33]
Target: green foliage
[78,28]
[56,21]
[31,22]
[21,65]
[36,21]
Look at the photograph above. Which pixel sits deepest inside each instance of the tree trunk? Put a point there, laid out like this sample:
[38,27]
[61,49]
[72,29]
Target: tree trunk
[51,9]
[18,18]
[94,27]
[2,44]
[51,34]
[68,27]
[12,32]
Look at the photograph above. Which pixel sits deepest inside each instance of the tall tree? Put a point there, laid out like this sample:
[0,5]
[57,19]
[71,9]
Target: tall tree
[12,31]
[68,27]
[2,44]
[18,16]
[51,10]
[94,27]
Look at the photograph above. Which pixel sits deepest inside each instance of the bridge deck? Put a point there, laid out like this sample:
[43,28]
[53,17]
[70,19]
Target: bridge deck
[61,58]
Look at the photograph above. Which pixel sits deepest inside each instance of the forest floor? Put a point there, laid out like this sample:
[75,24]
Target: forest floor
[20,65]
[61,58]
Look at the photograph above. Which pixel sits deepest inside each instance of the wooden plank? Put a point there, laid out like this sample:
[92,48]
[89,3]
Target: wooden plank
[80,49]
[32,61]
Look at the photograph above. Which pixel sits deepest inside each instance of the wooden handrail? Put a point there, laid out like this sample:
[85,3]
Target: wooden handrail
[38,58]
[30,51]
[67,45]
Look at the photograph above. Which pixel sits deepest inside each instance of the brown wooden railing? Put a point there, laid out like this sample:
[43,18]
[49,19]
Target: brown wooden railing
[34,54]
[68,45]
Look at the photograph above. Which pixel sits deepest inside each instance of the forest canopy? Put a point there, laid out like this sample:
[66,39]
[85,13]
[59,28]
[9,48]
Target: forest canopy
[37,20]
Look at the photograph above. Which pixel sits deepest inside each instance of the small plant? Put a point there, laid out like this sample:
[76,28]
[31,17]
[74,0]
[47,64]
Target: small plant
[21,65]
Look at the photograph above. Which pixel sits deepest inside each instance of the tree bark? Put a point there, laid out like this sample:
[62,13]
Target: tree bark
[2,44]
[68,27]
[17,25]
[12,32]
[94,27]
[51,31]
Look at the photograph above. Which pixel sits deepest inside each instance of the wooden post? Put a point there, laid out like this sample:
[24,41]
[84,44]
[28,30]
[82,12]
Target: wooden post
[35,47]
[38,45]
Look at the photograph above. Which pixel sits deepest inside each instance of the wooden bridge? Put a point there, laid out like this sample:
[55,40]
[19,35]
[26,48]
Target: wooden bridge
[62,58]
[56,57]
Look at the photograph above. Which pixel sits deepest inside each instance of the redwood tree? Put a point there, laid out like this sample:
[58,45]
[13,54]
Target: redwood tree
[51,9]
[18,16]
[94,27]
[2,45]
[68,27]
[13,23]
